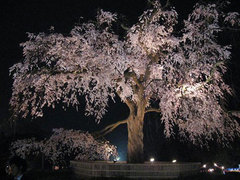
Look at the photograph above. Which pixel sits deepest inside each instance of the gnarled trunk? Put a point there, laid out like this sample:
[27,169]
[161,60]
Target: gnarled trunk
[135,136]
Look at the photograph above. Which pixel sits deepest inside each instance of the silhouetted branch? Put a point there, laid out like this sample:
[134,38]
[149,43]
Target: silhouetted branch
[109,128]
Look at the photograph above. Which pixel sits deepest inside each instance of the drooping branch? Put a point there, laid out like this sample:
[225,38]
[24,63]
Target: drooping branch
[213,70]
[109,128]
[154,59]
[146,23]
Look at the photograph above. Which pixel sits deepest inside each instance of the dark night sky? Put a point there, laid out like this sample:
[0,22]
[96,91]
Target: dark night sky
[19,17]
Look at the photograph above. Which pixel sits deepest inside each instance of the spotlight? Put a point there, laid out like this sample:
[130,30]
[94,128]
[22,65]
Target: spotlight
[210,170]
[152,159]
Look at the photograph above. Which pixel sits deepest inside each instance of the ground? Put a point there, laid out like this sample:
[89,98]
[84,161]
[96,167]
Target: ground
[67,174]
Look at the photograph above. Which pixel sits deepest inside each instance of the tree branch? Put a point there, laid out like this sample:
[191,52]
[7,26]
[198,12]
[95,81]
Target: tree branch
[213,70]
[153,110]
[131,74]
[127,101]
[109,128]
[235,113]
[167,4]
[154,59]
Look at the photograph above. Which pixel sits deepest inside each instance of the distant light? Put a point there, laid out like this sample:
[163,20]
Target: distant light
[204,166]
[56,168]
[118,158]
[215,165]
[210,170]
[222,167]
[152,159]
[174,161]
[233,170]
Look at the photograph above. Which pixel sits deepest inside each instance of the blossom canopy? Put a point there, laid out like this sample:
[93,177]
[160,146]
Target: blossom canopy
[182,71]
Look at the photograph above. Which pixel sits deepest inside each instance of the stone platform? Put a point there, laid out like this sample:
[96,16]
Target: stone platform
[148,170]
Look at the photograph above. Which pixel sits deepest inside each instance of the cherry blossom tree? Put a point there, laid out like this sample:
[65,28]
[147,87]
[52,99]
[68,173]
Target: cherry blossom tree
[72,144]
[26,148]
[63,146]
[155,68]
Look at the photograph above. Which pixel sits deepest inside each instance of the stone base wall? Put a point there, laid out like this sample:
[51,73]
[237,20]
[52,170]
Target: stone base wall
[155,170]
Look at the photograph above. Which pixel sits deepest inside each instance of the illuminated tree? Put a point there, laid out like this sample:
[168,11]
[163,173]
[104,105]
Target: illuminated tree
[63,146]
[155,68]
[72,144]
[26,148]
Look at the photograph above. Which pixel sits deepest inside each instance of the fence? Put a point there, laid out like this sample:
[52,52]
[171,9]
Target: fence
[154,170]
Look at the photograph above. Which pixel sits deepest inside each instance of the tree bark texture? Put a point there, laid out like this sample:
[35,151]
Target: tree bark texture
[135,135]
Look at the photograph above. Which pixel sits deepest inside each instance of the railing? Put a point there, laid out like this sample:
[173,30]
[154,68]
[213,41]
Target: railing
[160,170]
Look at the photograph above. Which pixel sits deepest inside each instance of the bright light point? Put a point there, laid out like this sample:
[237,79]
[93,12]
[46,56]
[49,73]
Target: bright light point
[118,158]
[174,161]
[210,170]
[215,164]
[222,167]
[204,166]
[152,159]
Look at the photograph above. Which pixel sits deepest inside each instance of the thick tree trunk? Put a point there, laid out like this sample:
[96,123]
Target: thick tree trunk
[135,136]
